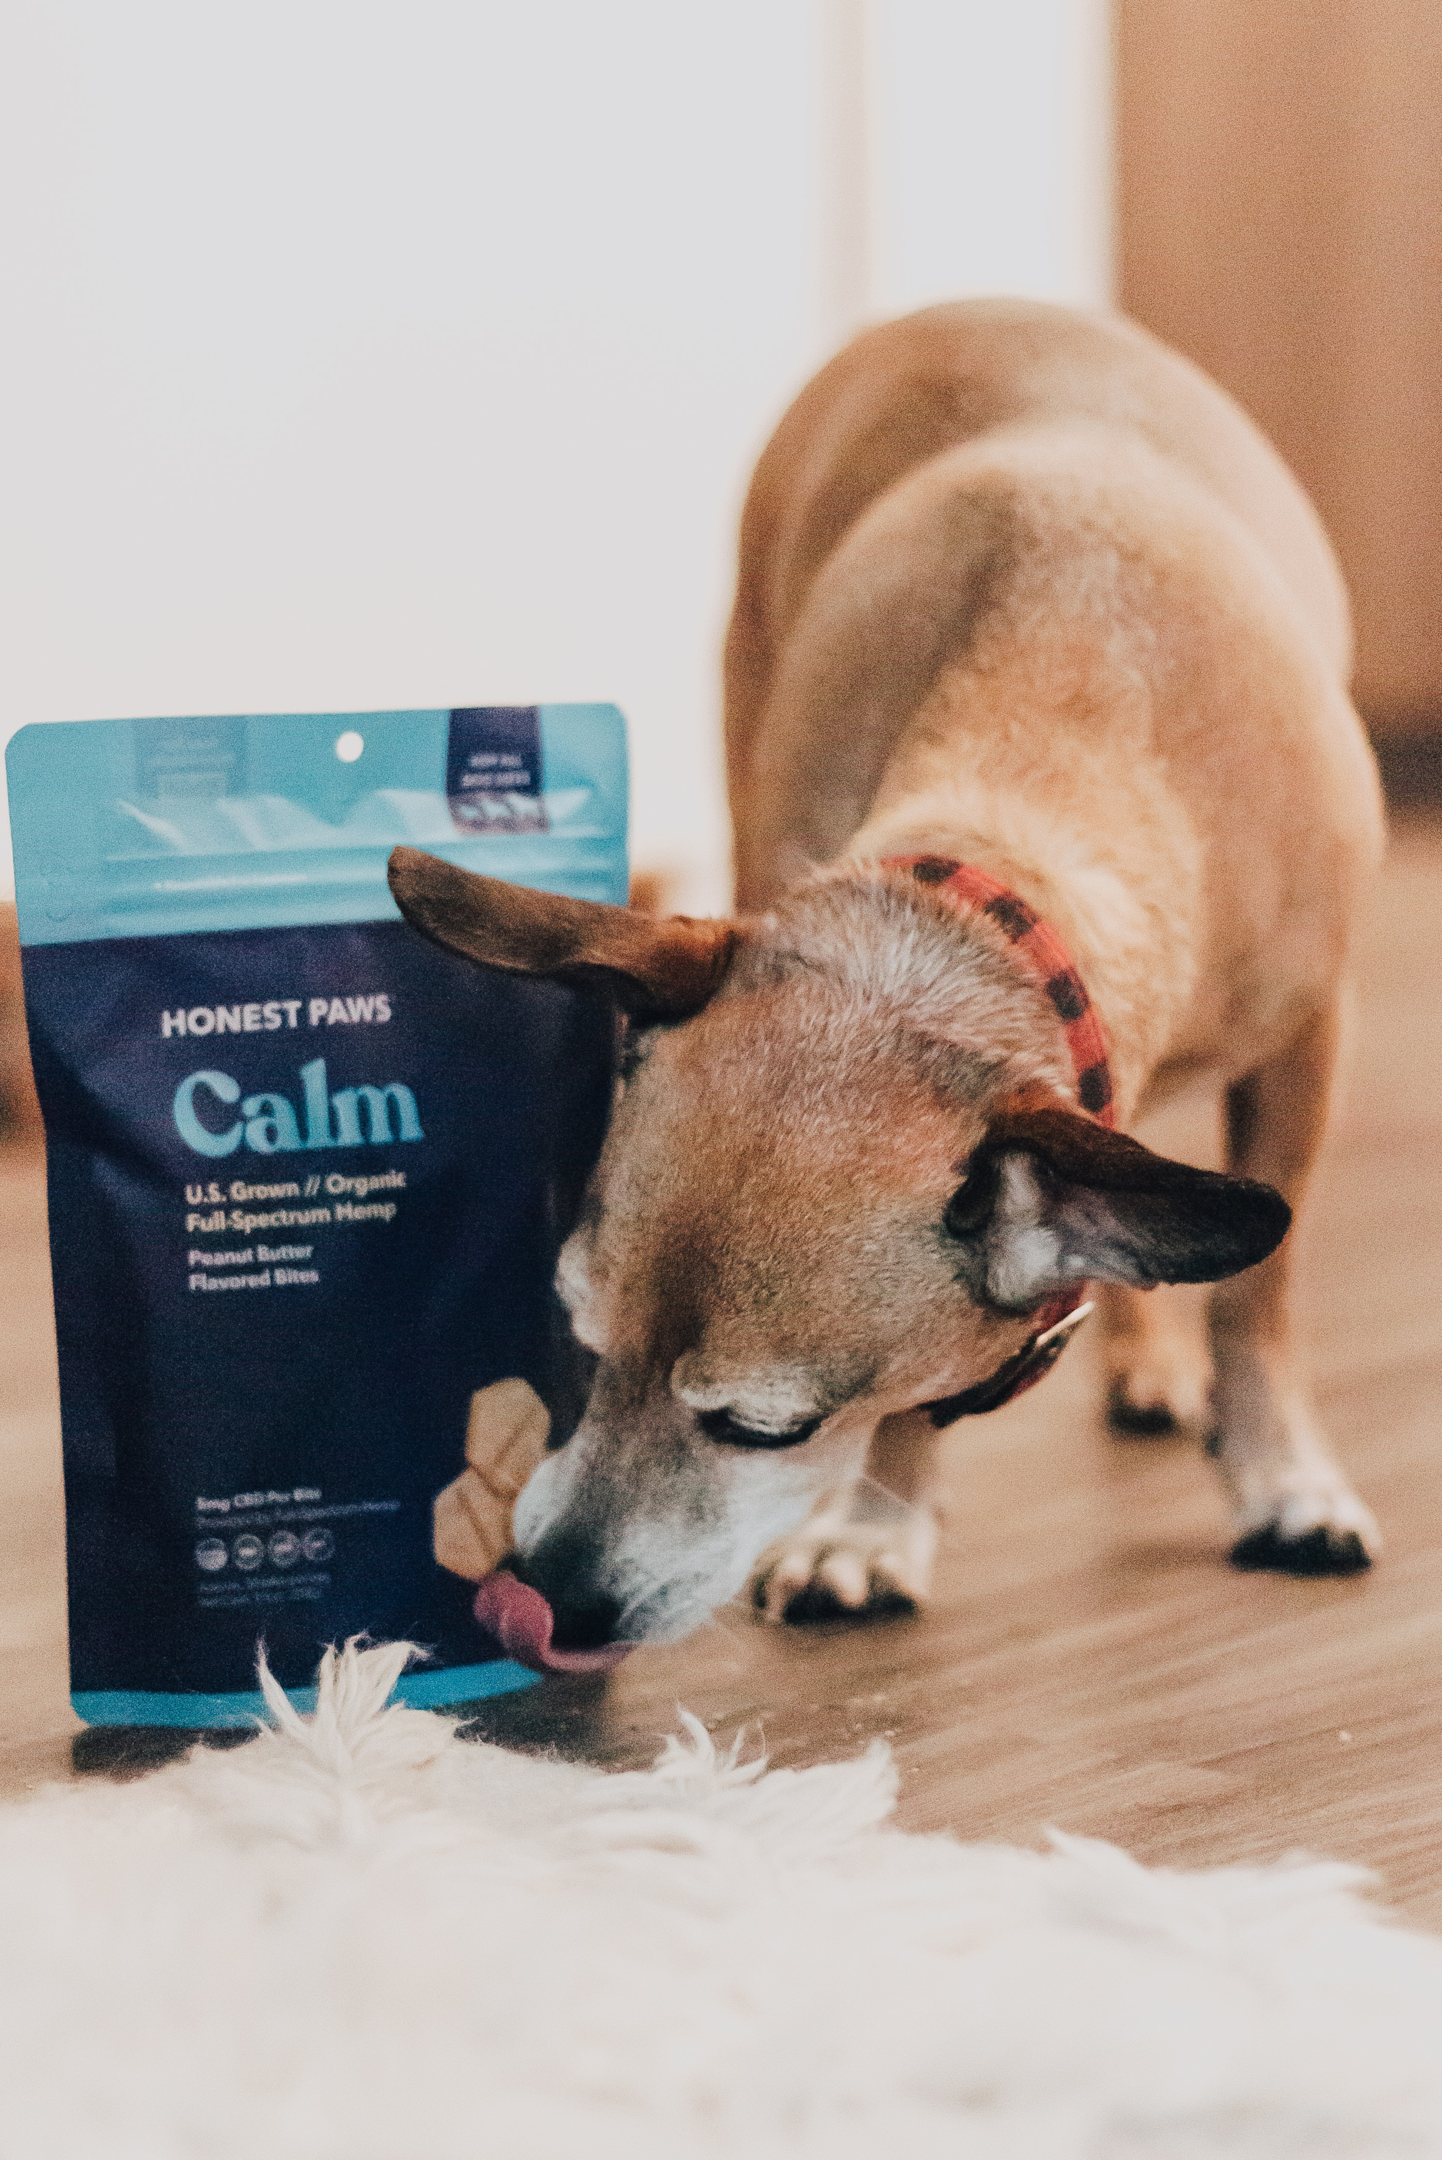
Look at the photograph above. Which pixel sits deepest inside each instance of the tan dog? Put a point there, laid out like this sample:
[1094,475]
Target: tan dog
[1019,590]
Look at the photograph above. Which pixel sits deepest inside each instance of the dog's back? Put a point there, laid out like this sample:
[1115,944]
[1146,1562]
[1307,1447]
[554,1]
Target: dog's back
[901,393]
[996,379]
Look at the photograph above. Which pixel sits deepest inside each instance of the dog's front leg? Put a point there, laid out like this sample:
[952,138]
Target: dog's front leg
[867,1549]
[1293,1508]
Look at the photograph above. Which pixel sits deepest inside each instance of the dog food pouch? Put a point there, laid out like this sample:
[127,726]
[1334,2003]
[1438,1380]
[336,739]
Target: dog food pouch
[308,1172]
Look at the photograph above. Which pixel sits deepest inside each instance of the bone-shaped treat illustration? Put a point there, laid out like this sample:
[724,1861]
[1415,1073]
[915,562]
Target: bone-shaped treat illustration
[506,1434]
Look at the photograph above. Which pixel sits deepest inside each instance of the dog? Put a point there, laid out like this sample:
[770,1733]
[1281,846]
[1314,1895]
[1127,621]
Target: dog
[1049,801]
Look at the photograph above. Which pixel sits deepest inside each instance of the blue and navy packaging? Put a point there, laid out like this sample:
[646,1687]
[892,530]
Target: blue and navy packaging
[308,1172]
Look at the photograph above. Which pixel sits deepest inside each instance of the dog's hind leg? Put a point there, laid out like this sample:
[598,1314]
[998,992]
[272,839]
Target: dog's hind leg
[1157,1370]
[1293,1508]
[867,1549]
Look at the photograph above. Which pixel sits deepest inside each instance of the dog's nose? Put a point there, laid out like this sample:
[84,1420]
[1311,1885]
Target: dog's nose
[564,1569]
[589,1623]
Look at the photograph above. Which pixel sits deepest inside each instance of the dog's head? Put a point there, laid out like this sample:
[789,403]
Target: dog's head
[825,1197]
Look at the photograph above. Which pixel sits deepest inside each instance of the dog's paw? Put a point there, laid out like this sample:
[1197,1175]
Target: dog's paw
[1326,1533]
[839,1566]
[1163,1390]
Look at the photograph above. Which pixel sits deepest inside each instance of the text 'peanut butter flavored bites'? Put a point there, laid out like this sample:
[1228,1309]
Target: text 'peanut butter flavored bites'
[308,1172]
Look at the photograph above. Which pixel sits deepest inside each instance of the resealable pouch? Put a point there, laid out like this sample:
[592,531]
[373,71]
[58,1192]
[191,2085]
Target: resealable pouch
[308,1172]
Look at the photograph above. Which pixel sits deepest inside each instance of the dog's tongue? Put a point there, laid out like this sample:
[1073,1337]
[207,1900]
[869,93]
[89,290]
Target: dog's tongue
[521,1622]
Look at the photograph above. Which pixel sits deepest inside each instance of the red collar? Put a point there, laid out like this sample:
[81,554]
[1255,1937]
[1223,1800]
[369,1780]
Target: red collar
[1043,955]
[1041,952]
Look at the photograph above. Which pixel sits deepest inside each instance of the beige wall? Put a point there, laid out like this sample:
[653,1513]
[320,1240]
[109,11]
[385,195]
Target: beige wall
[1280,219]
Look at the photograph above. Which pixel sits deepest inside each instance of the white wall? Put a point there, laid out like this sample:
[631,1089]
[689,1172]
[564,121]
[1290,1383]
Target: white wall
[992,171]
[363,355]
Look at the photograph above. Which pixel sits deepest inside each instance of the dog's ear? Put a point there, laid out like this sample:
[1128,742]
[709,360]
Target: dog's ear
[1051,1198]
[655,970]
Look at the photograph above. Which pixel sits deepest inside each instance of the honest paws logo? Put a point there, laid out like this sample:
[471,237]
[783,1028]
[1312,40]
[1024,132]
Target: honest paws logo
[265,1016]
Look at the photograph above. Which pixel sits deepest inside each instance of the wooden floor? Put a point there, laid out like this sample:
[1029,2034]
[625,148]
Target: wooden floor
[1090,1660]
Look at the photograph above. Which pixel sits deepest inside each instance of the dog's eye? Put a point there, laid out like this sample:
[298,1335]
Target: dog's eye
[970,1206]
[720,1425]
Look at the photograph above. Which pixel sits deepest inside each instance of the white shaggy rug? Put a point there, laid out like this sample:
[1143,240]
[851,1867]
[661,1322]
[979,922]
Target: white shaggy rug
[361,1939]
